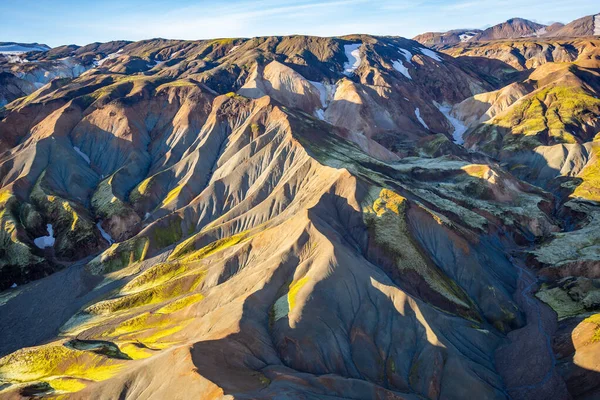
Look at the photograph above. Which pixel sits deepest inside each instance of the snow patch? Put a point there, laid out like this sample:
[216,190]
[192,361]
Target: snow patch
[398,66]
[14,285]
[233,49]
[430,53]
[322,92]
[465,37]
[15,59]
[353,55]
[407,54]
[104,234]
[45,241]
[82,154]
[326,95]
[597,25]
[19,49]
[109,57]
[326,92]
[418,114]
[459,127]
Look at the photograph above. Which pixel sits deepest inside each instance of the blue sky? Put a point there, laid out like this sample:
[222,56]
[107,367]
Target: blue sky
[57,22]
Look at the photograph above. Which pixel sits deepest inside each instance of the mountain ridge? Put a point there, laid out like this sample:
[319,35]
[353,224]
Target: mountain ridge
[513,28]
[298,216]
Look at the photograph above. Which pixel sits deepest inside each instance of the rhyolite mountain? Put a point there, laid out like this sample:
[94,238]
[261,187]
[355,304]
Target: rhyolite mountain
[301,218]
[514,28]
[510,29]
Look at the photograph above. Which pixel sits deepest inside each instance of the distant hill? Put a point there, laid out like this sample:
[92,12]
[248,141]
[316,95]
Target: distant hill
[444,39]
[511,29]
[19,48]
[514,28]
[586,26]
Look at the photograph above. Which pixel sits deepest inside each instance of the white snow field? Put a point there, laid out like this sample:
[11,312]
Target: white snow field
[430,54]
[459,127]
[465,37]
[407,54]
[322,92]
[82,154]
[104,234]
[326,95]
[19,49]
[353,55]
[398,66]
[418,114]
[109,57]
[45,241]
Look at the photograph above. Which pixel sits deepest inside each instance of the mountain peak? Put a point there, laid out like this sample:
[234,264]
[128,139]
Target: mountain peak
[511,29]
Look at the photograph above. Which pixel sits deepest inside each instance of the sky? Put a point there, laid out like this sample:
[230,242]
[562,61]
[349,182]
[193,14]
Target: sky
[57,22]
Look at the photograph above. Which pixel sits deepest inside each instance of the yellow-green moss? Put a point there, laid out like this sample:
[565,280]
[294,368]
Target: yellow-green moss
[66,384]
[384,215]
[119,256]
[180,304]
[223,41]
[134,324]
[595,320]
[388,200]
[590,187]
[293,291]
[173,194]
[142,190]
[187,247]
[105,203]
[559,301]
[177,83]
[552,109]
[156,338]
[15,252]
[144,297]
[166,233]
[4,196]
[153,276]
[66,217]
[136,351]
[35,363]
[157,294]
[119,80]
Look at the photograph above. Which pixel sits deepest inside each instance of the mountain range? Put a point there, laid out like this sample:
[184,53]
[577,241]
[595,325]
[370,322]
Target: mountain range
[514,28]
[300,217]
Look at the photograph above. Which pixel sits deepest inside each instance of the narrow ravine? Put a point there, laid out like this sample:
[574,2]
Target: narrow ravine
[527,362]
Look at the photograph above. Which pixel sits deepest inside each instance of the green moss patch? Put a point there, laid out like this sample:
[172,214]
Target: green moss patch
[187,247]
[119,256]
[166,232]
[384,215]
[106,204]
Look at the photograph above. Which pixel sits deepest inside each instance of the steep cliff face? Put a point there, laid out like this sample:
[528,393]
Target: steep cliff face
[297,216]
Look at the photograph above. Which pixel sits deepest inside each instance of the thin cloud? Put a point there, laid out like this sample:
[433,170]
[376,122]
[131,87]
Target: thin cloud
[462,6]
